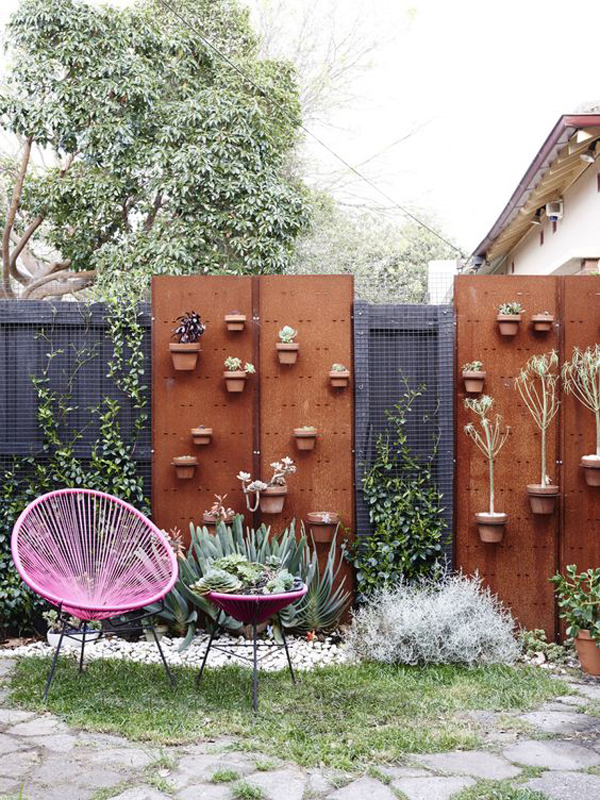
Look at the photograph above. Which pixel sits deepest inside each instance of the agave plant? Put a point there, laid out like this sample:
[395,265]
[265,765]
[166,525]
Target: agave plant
[176,612]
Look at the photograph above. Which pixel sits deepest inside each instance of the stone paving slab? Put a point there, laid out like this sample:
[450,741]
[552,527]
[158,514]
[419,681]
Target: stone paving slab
[561,721]
[432,787]
[552,755]
[590,690]
[285,783]
[144,793]
[566,785]
[364,789]
[202,791]
[476,763]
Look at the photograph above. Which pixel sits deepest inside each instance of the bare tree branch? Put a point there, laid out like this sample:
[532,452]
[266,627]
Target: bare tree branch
[58,271]
[10,218]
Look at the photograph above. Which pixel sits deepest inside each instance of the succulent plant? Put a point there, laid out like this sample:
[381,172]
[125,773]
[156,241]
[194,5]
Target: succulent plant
[338,368]
[234,364]
[281,469]
[217,580]
[511,309]
[287,334]
[189,328]
[473,366]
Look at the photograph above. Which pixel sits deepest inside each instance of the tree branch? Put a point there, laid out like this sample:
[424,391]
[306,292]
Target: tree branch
[57,273]
[152,215]
[74,284]
[12,213]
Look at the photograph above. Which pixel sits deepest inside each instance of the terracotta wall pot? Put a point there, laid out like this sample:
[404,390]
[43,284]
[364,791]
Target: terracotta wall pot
[542,498]
[184,356]
[235,381]
[211,522]
[323,530]
[588,653]
[591,468]
[235,322]
[542,323]
[272,499]
[202,435]
[508,323]
[473,380]
[287,353]
[305,439]
[339,380]
[491,526]
[185,467]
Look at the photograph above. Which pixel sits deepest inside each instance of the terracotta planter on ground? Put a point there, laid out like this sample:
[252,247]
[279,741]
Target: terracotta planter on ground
[184,356]
[339,379]
[235,381]
[591,468]
[287,353]
[491,526]
[542,498]
[235,322]
[323,525]
[209,521]
[272,499]
[542,323]
[306,438]
[185,466]
[202,435]
[588,653]
[473,380]
[508,324]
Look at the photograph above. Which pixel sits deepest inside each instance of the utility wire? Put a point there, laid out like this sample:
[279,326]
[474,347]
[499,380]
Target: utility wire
[308,132]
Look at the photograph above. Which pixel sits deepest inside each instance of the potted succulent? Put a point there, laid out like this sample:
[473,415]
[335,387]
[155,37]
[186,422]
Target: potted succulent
[323,525]
[74,630]
[579,600]
[185,466]
[185,351]
[235,374]
[339,376]
[509,317]
[161,628]
[270,495]
[581,377]
[490,441]
[537,384]
[235,321]
[202,435]
[287,348]
[218,513]
[306,437]
[473,376]
[542,322]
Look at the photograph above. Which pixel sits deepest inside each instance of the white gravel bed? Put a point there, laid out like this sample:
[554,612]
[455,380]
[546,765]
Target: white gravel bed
[305,654]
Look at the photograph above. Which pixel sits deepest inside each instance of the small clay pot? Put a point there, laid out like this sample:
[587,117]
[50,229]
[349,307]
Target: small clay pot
[235,322]
[588,653]
[184,356]
[473,380]
[542,322]
[508,324]
[185,467]
[202,435]
[235,381]
[272,499]
[542,498]
[287,353]
[338,379]
[323,525]
[305,438]
[491,526]
[591,469]
[211,522]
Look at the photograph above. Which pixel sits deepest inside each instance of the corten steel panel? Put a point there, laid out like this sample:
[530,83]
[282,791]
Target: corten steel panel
[183,400]
[276,400]
[580,542]
[517,569]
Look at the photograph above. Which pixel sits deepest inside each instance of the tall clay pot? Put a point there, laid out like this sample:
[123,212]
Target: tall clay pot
[508,324]
[542,498]
[591,468]
[473,380]
[272,499]
[491,526]
[588,653]
[322,525]
[184,356]
[287,353]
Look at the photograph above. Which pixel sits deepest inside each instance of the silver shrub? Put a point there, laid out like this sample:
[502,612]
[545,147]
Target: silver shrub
[452,620]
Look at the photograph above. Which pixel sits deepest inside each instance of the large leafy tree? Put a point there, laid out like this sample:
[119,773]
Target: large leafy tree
[163,158]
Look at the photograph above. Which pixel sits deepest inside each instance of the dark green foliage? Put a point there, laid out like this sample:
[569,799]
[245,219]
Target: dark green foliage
[404,509]
[579,600]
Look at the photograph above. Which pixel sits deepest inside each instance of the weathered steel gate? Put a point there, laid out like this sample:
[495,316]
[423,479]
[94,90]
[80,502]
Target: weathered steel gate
[534,547]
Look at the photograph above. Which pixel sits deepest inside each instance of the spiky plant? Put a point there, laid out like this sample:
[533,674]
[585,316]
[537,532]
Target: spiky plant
[492,439]
[581,377]
[537,384]
[217,580]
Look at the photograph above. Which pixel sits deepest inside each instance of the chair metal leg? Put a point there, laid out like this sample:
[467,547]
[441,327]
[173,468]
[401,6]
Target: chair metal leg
[162,655]
[82,648]
[254,671]
[54,660]
[287,652]
[214,632]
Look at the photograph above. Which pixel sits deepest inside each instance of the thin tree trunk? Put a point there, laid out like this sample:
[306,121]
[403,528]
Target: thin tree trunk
[5,288]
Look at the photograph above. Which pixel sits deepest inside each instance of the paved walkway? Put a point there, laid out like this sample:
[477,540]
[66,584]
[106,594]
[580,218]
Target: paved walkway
[554,750]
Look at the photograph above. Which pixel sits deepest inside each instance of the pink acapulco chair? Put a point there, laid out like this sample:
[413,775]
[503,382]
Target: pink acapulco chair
[94,557]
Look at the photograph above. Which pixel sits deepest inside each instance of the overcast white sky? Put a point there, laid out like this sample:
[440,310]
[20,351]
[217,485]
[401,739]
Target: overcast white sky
[485,80]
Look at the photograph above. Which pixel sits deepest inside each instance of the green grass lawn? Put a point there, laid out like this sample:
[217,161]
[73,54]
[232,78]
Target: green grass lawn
[340,716]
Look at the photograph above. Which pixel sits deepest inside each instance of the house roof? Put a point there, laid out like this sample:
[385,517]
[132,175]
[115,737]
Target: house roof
[556,166]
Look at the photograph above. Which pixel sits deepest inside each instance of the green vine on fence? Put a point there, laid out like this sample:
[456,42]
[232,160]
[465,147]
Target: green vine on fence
[405,508]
